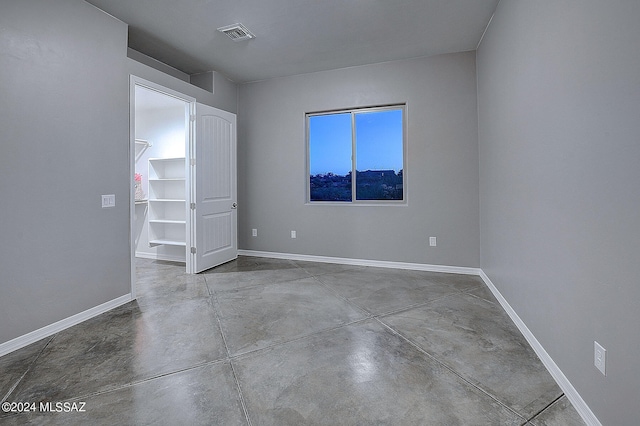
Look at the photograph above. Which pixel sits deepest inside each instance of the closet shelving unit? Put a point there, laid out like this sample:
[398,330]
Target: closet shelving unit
[167,202]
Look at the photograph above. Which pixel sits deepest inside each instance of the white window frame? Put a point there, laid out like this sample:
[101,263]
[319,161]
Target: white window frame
[354,201]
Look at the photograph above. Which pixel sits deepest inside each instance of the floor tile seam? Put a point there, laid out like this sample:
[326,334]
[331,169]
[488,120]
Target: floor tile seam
[261,284]
[480,297]
[545,407]
[476,385]
[291,262]
[480,286]
[452,370]
[255,352]
[214,303]
[248,271]
[206,283]
[169,301]
[220,361]
[13,387]
[245,409]
[29,367]
[392,312]
[145,380]
[257,264]
[415,305]
[336,293]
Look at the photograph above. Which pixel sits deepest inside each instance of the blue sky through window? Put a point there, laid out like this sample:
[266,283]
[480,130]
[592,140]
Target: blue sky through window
[330,144]
[378,142]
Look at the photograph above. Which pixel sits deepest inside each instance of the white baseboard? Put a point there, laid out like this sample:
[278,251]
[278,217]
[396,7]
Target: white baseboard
[363,262]
[165,257]
[572,394]
[46,331]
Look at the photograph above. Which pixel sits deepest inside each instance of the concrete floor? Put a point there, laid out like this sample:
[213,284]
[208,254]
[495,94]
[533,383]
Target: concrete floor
[279,342]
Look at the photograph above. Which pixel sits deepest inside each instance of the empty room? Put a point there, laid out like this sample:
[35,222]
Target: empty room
[349,212]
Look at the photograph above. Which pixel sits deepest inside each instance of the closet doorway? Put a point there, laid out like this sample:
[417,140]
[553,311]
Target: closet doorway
[183,179]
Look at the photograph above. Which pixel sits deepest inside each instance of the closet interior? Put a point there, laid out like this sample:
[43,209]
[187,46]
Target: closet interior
[161,191]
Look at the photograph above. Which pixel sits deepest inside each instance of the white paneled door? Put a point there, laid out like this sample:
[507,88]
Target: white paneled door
[214,216]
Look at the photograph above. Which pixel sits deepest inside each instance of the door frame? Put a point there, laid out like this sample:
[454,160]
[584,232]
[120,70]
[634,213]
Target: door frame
[189,139]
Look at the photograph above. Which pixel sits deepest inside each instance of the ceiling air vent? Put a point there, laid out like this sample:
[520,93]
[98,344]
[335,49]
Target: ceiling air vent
[237,32]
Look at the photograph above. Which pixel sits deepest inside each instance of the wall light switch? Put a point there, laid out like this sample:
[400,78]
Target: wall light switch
[108,201]
[432,241]
[254,232]
[293,234]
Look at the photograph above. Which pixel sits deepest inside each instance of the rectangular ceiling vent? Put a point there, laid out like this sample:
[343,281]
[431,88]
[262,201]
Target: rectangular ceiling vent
[237,32]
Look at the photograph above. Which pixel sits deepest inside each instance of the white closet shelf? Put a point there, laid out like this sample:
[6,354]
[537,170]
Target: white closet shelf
[167,200]
[176,222]
[143,142]
[167,243]
[167,180]
[167,159]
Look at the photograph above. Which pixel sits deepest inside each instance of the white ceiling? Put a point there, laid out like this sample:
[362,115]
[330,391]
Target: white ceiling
[297,36]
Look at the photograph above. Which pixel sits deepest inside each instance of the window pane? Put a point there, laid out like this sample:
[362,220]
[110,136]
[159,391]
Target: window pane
[330,157]
[379,155]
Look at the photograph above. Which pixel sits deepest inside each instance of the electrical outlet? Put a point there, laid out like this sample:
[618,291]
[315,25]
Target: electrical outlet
[254,232]
[293,234]
[108,201]
[432,241]
[599,357]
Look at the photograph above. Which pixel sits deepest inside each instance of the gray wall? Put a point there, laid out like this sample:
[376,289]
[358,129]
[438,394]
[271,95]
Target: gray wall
[225,91]
[64,141]
[64,120]
[442,169]
[558,95]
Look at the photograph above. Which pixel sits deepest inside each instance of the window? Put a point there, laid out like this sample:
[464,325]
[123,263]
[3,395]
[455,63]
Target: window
[367,143]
